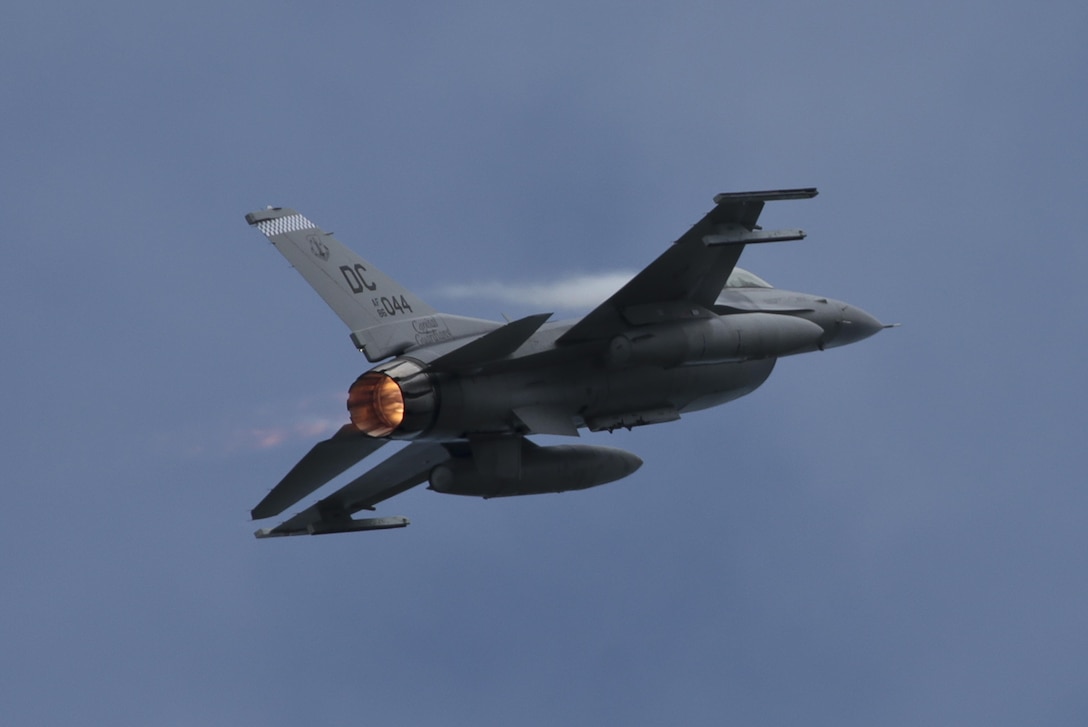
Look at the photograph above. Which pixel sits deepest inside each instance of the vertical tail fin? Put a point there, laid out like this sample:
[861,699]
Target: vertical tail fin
[358,292]
[385,318]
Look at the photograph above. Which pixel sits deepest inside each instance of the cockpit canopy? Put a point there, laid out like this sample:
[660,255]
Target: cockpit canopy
[741,278]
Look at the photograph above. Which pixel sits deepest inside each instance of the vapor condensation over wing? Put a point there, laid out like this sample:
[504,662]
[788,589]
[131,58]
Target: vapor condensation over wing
[581,291]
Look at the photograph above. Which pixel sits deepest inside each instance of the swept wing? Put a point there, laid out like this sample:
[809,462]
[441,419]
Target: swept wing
[693,270]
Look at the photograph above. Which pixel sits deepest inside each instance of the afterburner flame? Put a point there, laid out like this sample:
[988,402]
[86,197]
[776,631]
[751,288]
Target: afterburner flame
[376,404]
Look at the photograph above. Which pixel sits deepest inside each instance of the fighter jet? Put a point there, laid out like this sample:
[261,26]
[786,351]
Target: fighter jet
[689,332]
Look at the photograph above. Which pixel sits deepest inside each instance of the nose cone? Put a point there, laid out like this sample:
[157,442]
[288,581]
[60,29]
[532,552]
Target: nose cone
[856,325]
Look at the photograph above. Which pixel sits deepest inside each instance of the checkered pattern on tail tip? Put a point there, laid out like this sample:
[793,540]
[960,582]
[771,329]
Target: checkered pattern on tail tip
[280,225]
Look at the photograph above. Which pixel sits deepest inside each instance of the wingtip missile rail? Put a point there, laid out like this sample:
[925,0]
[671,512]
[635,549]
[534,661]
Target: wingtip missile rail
[346,525]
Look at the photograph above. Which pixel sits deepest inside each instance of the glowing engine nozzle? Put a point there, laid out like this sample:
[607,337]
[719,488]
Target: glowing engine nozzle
[396,399]
[376,404]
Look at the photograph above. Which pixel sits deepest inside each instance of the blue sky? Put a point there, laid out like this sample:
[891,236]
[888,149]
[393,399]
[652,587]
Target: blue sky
[888,533]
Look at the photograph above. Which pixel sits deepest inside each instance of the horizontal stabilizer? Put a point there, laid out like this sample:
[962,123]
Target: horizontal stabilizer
[400,472]
[491,346]
[322,463]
